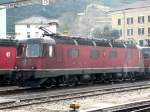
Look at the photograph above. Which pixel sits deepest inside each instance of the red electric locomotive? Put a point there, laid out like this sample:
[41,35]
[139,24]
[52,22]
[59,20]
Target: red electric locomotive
[70,61]
[7,59]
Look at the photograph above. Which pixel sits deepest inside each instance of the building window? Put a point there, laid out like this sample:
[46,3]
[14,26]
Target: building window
[119,21]
[140,31]
[28,35]
[28,26]
[141,19]
[129,32]
[130,21]
[141,42]
[148,31]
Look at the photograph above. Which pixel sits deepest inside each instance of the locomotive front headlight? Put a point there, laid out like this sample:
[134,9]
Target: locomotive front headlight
[33,67]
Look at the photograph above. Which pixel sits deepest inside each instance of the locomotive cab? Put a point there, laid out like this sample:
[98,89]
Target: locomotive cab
[32,53]
[34,56]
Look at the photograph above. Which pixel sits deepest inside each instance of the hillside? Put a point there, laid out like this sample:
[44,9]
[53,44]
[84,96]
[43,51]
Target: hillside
[64,9]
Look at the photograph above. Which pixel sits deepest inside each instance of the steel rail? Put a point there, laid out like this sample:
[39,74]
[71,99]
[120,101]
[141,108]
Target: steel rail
[140,106]
[4,91]
[36,99]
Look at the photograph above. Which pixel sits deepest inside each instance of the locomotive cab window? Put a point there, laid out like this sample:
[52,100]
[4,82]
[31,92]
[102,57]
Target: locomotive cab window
[51,51]
[33,50]
[48,51]
[20,50]
[45,50]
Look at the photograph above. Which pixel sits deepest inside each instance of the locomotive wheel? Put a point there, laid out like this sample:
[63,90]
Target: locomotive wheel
[47,84]
[91,81]
[72,81]
[132,78]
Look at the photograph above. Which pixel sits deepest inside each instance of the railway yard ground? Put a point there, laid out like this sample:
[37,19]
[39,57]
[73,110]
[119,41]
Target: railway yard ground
[125,97]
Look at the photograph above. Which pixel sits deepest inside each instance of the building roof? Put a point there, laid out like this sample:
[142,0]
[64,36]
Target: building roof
[140,4]
[39,20]
[2,7]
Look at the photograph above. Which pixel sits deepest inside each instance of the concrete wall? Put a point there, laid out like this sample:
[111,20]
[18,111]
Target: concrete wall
[2,23]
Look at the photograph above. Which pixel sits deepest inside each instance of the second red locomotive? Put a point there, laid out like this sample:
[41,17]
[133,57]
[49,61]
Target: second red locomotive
[7,59]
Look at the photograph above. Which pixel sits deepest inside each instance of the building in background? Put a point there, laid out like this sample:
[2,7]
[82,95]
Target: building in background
[29,28]
[2,22]
[133,22]
[94,17]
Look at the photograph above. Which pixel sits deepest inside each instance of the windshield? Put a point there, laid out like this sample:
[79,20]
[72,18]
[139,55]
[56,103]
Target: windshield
[33,50]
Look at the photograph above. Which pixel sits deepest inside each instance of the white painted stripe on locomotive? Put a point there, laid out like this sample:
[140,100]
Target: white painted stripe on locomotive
[6,69]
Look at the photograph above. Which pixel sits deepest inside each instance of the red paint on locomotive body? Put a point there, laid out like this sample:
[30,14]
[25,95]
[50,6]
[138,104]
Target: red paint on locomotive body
[62,60]
[103,61]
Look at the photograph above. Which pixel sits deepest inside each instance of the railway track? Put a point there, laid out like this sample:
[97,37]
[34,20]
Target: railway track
[12,90]
[7,91]
[142,106]
[31,99]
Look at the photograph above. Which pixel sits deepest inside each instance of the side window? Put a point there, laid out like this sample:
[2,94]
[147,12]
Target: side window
[73,52]
[45,50]
[51,51]
[128,55]
[94,54]
[20,50]
[112,54]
